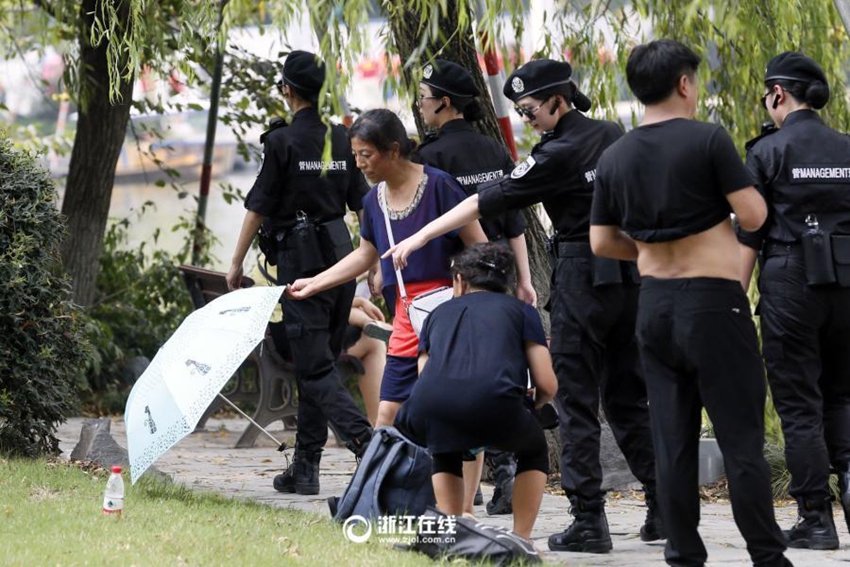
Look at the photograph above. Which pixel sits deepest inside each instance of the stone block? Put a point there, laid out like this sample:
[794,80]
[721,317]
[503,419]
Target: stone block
[711,468]
[97,445]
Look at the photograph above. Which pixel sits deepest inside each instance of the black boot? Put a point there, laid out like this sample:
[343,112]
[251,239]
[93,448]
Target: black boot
[844,489]
[653,527]
[588,533]
[815,528]
[359,445]
[478,499]
[504,469]
[302,475]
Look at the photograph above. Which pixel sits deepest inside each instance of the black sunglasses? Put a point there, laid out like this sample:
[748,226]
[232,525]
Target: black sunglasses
[529,112]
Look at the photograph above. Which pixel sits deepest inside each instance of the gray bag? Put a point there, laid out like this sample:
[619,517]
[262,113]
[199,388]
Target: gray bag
[472,540]
[393,478]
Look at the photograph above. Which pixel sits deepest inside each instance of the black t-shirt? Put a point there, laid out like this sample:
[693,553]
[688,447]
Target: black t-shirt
[668,180]
[478,340]
[291,177]
[477,372]
[473,158]
[559,173]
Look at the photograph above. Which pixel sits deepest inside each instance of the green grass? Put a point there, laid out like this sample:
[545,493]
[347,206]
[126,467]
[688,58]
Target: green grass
[50,514]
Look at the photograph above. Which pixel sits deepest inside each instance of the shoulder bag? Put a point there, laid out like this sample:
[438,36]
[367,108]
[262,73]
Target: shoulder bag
[422,305]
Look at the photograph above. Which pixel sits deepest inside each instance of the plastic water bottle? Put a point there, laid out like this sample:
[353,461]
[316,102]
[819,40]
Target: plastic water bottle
[113,499]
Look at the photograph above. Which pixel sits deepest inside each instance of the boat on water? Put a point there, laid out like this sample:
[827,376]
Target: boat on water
[166,147]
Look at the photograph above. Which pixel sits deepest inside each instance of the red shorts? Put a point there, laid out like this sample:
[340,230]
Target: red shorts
[403,341]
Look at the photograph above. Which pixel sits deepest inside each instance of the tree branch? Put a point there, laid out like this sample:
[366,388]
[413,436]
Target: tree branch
[31,73]
[730,42]
[44,5]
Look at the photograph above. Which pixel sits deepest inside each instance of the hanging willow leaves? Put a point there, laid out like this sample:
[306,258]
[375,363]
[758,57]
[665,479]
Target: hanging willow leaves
[736,40]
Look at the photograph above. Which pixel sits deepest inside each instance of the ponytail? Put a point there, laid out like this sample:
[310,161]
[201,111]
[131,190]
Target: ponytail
[817,94]
[570,93]
[581,102]
[407,147]
[468,106]
[473,112]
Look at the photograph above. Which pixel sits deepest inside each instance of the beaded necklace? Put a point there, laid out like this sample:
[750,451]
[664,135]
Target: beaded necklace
[404,213]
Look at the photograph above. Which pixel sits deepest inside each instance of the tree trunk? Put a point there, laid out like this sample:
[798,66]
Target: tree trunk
[101,128]
[407,30]
[843,7]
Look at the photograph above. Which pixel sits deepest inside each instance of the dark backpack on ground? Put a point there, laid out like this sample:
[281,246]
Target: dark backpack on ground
[471,540]
[393,478]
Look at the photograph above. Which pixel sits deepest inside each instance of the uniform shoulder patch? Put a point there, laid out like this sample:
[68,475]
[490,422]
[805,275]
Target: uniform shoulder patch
[523,168]
[274,124]
[423,147]
[767,129]
[428,138]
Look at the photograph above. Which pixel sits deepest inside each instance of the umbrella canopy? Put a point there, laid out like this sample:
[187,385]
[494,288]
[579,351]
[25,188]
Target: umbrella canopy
[190,369]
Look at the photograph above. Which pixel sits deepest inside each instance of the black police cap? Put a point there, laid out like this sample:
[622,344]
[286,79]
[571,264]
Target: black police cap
[536,76]
[304,72]
[793,66]
[450,78]
[539,75]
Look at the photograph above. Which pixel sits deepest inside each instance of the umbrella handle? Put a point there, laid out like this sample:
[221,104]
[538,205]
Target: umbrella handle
[281,446]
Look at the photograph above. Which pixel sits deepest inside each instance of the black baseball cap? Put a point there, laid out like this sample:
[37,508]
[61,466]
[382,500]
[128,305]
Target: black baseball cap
[449,77]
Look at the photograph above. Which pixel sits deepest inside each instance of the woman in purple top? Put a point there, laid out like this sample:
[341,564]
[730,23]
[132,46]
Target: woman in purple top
[414,196]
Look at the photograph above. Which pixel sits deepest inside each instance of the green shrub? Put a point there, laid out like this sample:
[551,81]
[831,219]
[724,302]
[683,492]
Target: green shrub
[41,342]
[141,299]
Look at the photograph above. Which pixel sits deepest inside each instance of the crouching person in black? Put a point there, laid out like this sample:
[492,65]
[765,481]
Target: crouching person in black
[663,196]
[474,356]
[304,197]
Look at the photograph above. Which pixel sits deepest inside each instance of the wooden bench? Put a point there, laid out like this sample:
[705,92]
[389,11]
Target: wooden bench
[265,378]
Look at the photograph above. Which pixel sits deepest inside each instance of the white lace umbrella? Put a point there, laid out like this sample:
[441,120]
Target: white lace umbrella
[190,369]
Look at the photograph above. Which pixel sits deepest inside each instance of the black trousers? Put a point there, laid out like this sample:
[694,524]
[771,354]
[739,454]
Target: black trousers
[699,348]
[315,328]
[595,355]
[806,337]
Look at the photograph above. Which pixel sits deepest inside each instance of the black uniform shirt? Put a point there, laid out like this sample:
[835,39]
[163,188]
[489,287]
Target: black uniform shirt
[473,158]
[803,168]
[559,173]
[291,179]
[668,180]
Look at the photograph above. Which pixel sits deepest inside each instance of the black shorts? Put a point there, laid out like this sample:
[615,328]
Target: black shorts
[351,336]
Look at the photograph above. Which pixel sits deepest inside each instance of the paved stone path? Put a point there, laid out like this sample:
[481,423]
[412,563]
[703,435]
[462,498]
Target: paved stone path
[208,461]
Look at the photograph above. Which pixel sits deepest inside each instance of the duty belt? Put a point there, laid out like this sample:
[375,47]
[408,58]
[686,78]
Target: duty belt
[571,249]
[772,249]
[284,233]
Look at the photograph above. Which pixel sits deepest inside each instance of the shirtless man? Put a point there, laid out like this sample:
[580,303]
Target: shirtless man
[663,196]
